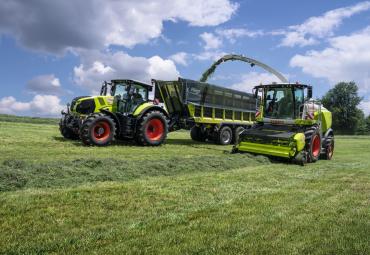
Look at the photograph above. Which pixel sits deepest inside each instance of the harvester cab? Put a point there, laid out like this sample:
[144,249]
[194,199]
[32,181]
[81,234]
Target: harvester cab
[289,124]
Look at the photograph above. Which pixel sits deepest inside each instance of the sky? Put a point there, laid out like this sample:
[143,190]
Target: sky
[53,51]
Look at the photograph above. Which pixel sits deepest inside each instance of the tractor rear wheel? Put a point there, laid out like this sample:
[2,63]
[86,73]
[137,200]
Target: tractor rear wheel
[98,129]
[225,135]
[67,132]
[313,144]
[152,129]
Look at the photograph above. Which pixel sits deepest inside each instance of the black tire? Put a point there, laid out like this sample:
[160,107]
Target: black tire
[225,135]
[328,148]
[237,132]
[152,129]
[196,134]
[98,129]
[313,144]
[67,132]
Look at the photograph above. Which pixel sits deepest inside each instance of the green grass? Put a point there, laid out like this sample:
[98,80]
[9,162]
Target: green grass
[59,197]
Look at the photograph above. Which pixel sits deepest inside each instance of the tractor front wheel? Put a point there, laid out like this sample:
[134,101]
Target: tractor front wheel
[98,129]
[66,131]
[152,129]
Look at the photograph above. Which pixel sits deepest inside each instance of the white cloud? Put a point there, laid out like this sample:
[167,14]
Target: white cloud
[210,41]
[346,59]
[45,84]
[55,26]
[365,106]
[319,27]
[248,81]
[42,105]
[180,58]
[234,33]
[96,67]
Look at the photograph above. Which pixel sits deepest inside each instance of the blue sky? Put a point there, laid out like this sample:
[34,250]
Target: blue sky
[52,51]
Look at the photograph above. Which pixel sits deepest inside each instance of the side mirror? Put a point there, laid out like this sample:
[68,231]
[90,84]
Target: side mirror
[309,92]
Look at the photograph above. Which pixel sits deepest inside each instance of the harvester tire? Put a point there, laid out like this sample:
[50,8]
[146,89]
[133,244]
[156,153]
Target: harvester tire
[328,148]
[98,129]
[313,144]
[152,129]
[225,135]
[67,132]
[196,134]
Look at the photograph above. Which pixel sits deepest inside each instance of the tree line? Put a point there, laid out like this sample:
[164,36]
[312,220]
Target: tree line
[343,101]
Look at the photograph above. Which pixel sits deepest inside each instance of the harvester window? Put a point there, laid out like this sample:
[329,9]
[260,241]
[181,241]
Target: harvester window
[299,100]
[279,103]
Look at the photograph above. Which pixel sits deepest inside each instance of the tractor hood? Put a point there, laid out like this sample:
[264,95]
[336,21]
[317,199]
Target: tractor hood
[89,104]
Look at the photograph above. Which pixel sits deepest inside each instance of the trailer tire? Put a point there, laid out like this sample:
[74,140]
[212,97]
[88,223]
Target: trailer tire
[313,144]
[196,134]
[237,132]
[152,129]
[225,135]
[98,129]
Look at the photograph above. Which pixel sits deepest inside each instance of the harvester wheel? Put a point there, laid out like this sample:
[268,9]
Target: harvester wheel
[152,129]
[67,132]
[313,144]
[196,134]
[328,148]
[225,136]
[98,129]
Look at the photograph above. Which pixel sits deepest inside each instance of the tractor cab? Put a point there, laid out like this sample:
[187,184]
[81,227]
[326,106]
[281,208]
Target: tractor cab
[128,94]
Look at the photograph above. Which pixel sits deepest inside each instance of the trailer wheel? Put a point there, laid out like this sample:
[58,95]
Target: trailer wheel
[152,129]
[67,132]
[196,134]
[237,132]
[313,144]
[328,148]
[225,136]
[98,129]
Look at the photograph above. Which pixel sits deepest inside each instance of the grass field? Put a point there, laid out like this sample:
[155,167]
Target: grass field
[59,197]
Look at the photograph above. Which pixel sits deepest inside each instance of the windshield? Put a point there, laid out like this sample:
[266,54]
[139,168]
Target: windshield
[279,103]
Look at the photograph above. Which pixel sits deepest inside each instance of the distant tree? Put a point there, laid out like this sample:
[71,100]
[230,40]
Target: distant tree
[342,101]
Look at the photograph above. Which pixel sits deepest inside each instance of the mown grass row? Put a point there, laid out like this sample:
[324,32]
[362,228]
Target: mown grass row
[18,174]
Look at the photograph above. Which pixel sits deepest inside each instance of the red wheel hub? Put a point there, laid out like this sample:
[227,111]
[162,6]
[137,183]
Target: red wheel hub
[316,147]
[154,129]
[101,131]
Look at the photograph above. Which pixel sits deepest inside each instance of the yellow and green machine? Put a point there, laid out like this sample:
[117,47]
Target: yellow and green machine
[278,119]
[289,124]
[211,112]
[121,111]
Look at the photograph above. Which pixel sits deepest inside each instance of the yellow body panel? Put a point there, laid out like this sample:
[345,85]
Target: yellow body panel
[141,108]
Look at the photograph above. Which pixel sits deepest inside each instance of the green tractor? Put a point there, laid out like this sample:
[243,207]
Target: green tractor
[289,124]
[121,111]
